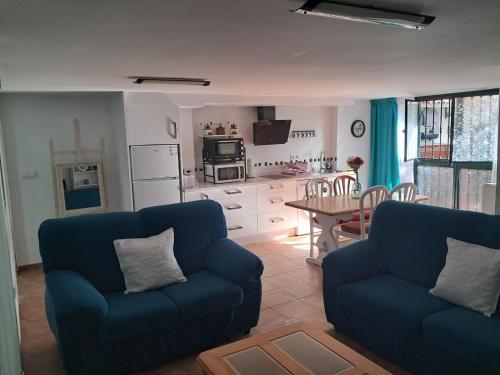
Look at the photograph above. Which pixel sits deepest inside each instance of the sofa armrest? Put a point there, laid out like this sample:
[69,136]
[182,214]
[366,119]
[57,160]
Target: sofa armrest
[361,260]
[73,304]
[228,259]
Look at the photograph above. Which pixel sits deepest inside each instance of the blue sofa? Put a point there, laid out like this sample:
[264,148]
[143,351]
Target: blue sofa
[100,330]
[376,291]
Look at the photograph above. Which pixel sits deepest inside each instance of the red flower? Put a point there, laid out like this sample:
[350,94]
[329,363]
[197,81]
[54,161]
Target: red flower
[358,161]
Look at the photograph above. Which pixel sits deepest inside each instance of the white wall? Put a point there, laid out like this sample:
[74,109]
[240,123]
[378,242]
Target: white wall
[347,144]
[119,167]
[28,121]
[187,141]
[321,119]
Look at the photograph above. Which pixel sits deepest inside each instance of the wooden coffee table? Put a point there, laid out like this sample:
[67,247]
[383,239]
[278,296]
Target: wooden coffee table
[297,349]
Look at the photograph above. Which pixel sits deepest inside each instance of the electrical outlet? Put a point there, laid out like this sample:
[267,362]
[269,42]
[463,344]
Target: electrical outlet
[29,175]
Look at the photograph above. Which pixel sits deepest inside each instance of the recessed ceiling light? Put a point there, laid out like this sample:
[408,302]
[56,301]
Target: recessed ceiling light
[365,13]
[171,80]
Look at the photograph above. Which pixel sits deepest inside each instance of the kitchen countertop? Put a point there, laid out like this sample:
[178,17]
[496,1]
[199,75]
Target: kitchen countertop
[262,180]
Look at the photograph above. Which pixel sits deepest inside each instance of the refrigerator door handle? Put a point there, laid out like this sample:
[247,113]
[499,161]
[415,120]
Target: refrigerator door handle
[158,179]
[171,128]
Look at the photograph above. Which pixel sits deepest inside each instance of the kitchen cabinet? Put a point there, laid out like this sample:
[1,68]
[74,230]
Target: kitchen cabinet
[277,220]
[241,206]
[257,207]
[243,226]
[151,118]
[276,186]
[228,191]
[275,201]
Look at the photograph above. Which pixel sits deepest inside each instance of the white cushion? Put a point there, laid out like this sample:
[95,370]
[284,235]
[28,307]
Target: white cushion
[470,277]
[148,263]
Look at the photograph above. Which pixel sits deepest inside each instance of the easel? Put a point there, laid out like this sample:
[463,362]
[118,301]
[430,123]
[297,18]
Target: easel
[81,155]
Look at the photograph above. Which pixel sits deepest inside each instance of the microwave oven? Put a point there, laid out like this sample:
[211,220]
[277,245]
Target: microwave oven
[217,150]
[225,172]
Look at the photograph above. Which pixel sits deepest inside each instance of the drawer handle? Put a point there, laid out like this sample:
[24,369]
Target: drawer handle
[234,207]
[234,191]
[276,186]
[277,220]
[276,200]
[235,227]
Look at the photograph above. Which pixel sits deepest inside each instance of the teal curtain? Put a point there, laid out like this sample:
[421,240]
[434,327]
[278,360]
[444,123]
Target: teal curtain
[384,164]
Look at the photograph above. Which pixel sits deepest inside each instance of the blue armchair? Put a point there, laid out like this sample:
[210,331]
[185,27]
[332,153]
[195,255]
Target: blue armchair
[100,330]
[377,291]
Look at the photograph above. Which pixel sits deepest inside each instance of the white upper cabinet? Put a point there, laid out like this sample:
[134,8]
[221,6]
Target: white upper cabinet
[151,118]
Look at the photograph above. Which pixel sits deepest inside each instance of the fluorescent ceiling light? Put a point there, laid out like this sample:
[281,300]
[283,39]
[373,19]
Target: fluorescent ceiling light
[171,80]
[364,13]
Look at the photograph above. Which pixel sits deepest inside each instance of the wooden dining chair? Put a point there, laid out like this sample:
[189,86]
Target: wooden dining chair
[342,185]
[316,188]
[404,192]
[368,202]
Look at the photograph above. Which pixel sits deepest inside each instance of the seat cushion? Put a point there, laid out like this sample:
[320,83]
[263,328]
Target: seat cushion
[203,294]
[356,216]
[132,315]
[467,334]
[354,227]
[392,301]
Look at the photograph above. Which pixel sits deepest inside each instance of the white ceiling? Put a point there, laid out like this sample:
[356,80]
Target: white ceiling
[245,47]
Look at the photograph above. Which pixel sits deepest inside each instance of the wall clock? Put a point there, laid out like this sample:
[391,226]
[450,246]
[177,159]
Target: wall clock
[358,128]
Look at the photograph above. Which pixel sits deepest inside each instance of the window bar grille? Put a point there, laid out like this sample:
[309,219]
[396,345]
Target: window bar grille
[451,130]
[440,128]
[425,130]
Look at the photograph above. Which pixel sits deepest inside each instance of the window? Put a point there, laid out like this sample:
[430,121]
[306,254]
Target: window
[452,140]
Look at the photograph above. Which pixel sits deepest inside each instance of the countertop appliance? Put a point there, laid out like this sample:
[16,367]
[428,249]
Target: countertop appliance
[225,172]
[218,150]
[155,175]
[250,168]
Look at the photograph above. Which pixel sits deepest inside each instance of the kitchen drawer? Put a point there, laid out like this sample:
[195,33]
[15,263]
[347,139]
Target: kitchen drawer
[241,226]
[275,201]
[274,186]
[230,192]
[272,221]
[240,206]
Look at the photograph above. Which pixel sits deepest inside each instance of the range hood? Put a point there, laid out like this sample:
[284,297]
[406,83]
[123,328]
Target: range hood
[269,131]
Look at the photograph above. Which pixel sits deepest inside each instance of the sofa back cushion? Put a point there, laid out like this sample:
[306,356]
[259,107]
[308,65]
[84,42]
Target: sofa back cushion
[196,225]
[413,237]
[85,243]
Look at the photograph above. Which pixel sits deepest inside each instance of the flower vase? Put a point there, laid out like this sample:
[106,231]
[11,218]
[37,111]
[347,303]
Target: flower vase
[356,188]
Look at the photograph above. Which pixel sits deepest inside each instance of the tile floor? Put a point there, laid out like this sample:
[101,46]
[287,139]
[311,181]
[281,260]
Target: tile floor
[291,293]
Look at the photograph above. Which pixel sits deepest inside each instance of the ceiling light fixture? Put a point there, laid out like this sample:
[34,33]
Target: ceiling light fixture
[171,80]
[365,13]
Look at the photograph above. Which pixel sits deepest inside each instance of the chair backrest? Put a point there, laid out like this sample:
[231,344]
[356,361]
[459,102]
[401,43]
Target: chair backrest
[318,188]
[373,196]
[85,243]
[342,185]
[404,192]
[413,237]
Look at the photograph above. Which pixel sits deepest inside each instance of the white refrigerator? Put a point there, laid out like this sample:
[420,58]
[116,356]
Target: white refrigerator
[155,175]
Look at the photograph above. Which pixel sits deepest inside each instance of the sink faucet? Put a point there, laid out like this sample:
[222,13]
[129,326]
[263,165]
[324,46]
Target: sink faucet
[322,156]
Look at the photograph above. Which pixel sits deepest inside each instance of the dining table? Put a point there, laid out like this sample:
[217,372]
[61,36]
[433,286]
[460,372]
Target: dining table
[329,212]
